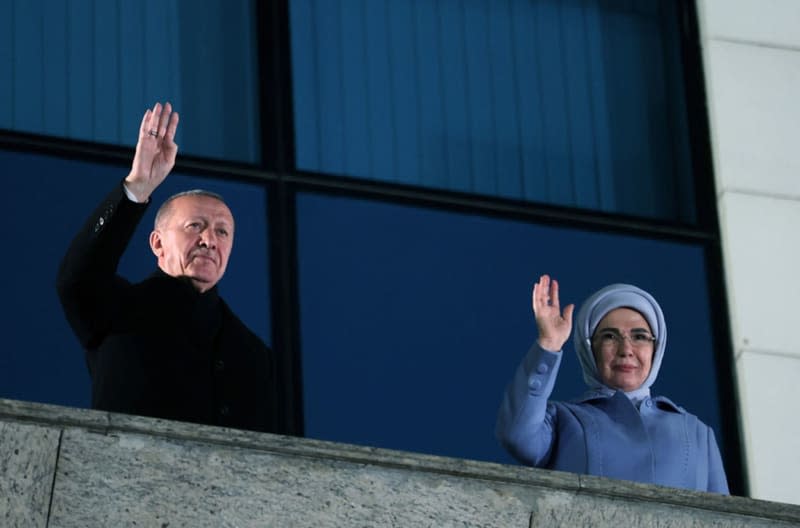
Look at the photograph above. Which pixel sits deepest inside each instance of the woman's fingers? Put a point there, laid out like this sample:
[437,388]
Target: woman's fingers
[568,314]
[554,294]
[541,293]
[546,300]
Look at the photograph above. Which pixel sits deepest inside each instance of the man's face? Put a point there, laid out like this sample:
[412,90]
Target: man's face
[194,240]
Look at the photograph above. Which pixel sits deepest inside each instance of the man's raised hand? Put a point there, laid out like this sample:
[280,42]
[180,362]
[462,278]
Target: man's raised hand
[155,151]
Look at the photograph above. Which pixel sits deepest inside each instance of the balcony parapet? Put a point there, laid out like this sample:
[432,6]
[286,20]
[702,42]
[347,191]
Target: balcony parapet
[75,467]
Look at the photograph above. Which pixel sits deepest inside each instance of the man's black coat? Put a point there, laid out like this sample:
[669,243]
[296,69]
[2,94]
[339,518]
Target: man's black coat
[159,347]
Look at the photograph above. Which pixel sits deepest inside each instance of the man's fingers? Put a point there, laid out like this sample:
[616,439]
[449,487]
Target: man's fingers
[143,125]
[163,120]
[155,118]
[172,127]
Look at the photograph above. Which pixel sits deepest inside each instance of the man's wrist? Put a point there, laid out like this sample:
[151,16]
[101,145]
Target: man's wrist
[131,195]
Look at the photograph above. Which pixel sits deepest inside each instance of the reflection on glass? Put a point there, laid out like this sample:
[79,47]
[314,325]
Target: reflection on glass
[573,103]
[83,70]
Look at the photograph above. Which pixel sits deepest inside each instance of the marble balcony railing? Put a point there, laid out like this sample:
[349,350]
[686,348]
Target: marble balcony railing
[64,467]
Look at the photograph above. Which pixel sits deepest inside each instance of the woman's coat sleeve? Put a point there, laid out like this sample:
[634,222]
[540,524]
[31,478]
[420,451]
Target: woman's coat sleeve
[525,422]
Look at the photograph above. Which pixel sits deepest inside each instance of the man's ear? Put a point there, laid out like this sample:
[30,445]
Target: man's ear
[156,244]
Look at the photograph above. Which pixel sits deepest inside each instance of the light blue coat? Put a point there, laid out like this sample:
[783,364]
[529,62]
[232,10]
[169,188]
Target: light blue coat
[604,433]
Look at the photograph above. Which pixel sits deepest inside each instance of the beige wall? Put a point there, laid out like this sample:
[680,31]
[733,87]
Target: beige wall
[752,68]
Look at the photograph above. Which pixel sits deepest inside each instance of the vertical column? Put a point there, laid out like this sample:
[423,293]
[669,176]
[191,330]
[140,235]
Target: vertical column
[752,67]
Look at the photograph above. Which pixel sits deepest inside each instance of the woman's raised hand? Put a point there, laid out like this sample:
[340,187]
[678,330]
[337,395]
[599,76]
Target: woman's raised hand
[553,324]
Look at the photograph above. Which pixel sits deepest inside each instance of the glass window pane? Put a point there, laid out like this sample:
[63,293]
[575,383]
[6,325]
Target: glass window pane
[88,70]
[41,359]
[575,103]
[414,320]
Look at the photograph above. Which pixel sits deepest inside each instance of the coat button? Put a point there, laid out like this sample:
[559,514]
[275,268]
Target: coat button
[542,368]
[535,385]
[224,410]
[219,365]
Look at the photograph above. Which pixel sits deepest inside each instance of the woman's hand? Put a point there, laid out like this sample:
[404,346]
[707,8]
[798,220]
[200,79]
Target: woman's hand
[554,326]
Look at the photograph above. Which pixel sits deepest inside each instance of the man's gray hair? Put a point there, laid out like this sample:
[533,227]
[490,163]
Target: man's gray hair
[167,205]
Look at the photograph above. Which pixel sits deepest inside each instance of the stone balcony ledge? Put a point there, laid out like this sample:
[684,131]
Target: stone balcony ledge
[76,467]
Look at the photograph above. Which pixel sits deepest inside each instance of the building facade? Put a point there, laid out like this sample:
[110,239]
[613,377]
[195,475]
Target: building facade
[402,172]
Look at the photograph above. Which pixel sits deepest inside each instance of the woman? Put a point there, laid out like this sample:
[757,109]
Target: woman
[616,429]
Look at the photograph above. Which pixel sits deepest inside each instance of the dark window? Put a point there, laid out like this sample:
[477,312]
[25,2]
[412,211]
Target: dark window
[88,70]
[577,103]
[413,320]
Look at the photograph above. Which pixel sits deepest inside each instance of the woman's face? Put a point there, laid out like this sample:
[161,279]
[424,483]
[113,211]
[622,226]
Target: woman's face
[623,348]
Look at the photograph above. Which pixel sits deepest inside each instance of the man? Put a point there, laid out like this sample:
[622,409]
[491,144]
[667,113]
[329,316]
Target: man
[169,346]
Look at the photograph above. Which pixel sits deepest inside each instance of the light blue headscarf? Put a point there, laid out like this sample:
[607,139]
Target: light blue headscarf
[594,309]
